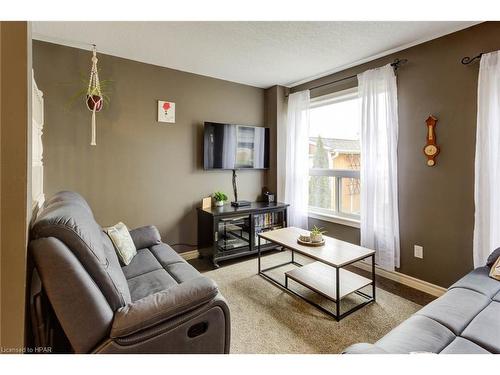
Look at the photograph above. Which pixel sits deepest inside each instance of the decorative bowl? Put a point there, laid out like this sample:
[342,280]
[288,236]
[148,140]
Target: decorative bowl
[305,238]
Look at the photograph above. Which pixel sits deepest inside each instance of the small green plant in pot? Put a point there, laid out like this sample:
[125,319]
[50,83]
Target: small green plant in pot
[97,97]
[219,198]
[317,234]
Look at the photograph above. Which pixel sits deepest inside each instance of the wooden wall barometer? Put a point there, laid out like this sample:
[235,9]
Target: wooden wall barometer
[431,149]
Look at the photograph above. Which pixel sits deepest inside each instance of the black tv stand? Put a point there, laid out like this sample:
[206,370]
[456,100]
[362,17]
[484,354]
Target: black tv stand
[229,232]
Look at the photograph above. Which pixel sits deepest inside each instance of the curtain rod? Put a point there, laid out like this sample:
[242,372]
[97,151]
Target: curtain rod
[468,60]
[396,64]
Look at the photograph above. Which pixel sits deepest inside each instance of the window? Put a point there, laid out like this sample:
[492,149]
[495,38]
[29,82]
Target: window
[335,156]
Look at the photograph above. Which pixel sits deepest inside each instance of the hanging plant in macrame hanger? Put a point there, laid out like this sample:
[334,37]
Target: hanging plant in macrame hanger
[94,98]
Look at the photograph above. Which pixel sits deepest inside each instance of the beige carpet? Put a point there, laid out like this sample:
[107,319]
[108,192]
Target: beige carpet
[266,319]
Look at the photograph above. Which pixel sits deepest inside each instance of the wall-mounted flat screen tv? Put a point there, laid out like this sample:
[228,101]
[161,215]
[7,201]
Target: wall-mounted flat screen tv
[229,146]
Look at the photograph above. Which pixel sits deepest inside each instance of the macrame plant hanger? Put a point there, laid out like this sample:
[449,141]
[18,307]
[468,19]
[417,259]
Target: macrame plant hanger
[94,95]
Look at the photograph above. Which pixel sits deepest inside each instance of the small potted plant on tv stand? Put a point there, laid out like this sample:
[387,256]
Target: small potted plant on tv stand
[219,198]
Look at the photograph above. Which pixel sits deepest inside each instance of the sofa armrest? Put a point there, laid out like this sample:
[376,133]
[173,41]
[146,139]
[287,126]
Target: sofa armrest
[146,236]
[158,307]
[364,348]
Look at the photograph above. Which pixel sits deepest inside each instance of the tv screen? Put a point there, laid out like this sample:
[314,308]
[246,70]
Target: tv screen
[228,146]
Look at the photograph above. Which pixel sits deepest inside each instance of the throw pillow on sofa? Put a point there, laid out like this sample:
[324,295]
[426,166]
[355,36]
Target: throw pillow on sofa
[492,258]
[124,245]
[495,269]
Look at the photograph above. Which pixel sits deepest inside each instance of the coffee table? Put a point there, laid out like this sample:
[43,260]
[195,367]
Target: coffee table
[327,275]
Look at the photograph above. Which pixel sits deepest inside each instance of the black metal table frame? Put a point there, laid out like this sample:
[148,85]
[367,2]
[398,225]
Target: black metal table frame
[337,315]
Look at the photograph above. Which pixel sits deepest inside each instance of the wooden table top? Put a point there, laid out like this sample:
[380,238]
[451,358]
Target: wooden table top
[335,253]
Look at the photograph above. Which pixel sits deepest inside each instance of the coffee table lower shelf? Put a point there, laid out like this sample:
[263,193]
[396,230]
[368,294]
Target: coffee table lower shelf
[326,285]
[322,279]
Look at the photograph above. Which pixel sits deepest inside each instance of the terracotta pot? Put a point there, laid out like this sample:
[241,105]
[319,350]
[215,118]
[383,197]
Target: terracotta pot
[94,101]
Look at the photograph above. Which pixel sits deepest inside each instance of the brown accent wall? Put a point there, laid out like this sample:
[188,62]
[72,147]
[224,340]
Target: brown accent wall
[15,194]
[436,205]
[274,110]
[141,172]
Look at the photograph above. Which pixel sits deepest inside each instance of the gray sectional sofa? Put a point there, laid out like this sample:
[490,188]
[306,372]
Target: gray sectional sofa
[156,304]
[466,319]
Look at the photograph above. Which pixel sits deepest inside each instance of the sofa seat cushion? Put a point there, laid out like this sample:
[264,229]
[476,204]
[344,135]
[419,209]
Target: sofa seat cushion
[182,272]
[155,269]
[484,330]
[417,334]
[479,281]
[149,283]
[142,263]
[165,254]
[464,346]
[160,307]
[496,297]
[456,308]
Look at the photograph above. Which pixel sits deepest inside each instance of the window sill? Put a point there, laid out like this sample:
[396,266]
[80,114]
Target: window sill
[335,219]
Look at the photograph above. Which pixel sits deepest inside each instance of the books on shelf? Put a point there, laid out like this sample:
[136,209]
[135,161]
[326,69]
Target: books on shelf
[268,219]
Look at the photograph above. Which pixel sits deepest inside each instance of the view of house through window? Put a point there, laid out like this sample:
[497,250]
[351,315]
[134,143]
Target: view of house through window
[334,155]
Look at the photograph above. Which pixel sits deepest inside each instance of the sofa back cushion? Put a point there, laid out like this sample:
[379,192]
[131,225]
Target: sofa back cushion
[68,217]
[68,196]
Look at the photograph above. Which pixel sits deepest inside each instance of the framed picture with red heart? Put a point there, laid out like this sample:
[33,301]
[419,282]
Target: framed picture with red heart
[166,111]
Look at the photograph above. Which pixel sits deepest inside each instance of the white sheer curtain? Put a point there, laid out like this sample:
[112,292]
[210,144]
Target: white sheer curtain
[294,176]
[487,162]
[379,170]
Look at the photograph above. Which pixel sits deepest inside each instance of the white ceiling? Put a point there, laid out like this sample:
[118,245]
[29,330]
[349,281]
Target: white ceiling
[260,54]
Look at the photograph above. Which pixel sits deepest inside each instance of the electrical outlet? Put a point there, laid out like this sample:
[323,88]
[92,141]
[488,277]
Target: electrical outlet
[418,251]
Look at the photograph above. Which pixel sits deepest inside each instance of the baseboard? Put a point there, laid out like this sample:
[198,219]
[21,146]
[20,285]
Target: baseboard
[401,278]
[188,255]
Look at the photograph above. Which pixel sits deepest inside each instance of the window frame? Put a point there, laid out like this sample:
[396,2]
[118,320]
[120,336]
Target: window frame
[335,215]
